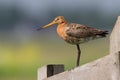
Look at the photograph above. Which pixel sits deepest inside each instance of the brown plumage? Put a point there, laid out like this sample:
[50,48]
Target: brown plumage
[75,33]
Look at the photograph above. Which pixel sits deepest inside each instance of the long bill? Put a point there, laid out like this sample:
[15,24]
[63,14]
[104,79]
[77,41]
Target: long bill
[46,26]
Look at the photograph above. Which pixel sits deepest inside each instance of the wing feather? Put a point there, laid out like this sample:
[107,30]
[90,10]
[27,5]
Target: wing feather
[81,31]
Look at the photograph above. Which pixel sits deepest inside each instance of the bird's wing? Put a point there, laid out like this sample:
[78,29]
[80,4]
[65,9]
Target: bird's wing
[81,31]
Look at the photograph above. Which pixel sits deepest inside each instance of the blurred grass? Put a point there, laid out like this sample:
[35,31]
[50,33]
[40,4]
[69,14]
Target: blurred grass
[19,78]
[21,61]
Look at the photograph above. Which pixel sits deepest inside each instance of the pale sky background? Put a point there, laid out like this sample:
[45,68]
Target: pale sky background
[41,7]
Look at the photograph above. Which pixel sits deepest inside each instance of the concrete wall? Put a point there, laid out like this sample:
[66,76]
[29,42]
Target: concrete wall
[115,37]
[106,68]
[49,70]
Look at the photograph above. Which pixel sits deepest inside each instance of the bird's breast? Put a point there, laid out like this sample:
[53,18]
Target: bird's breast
[61,31]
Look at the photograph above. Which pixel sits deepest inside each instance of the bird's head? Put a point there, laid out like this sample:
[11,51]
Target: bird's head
[58,20]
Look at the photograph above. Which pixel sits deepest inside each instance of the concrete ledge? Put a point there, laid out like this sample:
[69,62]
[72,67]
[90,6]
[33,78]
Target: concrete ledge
[115,37]
[106,68]
[49,70]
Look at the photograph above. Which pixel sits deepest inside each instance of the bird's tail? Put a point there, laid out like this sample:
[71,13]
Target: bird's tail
[103,33]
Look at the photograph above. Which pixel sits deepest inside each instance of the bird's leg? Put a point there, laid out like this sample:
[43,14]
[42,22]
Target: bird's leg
[78,57]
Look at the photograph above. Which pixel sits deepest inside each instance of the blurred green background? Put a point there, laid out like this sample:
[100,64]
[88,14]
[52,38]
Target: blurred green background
[23,50]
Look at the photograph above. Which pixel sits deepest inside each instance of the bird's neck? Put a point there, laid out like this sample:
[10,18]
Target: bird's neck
[60,30]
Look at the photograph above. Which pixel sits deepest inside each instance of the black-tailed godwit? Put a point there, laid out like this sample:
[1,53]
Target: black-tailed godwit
[74,33]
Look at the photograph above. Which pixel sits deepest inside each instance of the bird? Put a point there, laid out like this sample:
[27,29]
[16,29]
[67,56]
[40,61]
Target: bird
[74,33]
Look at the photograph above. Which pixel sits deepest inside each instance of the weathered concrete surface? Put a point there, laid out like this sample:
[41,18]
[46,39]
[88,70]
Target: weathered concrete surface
[101,69]
[49,70]
[115,38]
[115,46]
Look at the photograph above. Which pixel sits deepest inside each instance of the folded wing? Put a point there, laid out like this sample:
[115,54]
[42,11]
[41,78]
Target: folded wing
[83,31]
